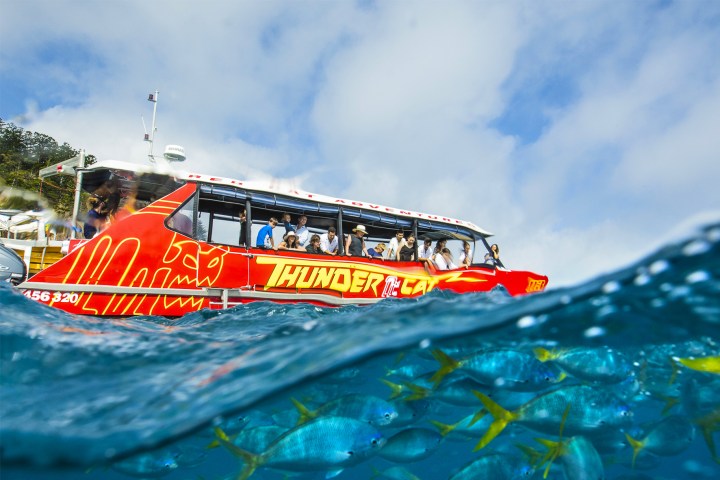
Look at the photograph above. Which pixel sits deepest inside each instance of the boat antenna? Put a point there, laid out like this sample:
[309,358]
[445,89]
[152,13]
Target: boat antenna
[150,137]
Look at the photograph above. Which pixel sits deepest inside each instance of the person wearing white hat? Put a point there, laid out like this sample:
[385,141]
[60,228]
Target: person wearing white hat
[290,242]
[355,245]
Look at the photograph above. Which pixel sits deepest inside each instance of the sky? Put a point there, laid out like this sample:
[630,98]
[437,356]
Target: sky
[582,134]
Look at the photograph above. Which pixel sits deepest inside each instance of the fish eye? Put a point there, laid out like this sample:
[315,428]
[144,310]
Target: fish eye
[387,415]
[374,441]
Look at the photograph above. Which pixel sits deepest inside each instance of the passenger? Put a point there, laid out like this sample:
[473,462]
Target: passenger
[181,223]
[465,257]
[409,251]
[425,252]
[396,244]
[355,245]
[329,242]
[290,242]
[377,252]
[493,257]
[243,228]
[302,231]
[265,235]
[96,217]
[444,260]
[286,219]
[440,245]
[314,246]
[437,252]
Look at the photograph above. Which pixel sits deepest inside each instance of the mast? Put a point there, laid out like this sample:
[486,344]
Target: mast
[150,138]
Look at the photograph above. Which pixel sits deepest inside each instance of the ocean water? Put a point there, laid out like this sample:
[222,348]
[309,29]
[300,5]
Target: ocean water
[146,397]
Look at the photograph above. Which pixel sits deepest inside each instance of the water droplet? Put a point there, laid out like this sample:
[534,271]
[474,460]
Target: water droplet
[658,267]
[611,287]
[425,343]
[697,277]
[642,279]
[696,247]
[527,321]
[594,332]
[310,325]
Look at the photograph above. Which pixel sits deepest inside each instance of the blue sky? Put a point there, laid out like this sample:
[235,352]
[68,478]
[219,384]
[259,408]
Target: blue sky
[581,133]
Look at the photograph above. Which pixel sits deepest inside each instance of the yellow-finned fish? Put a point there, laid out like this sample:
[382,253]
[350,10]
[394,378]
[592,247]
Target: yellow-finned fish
[705,364]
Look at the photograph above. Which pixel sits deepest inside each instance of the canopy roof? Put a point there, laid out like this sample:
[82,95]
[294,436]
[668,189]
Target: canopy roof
[272,195]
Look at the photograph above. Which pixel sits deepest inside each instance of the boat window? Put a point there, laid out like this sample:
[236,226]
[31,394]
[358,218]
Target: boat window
[181,220]
[220,206]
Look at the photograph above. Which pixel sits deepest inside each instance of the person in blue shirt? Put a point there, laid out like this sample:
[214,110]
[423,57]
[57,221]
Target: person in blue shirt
[265,235]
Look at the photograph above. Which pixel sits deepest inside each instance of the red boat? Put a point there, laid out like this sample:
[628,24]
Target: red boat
[182,252]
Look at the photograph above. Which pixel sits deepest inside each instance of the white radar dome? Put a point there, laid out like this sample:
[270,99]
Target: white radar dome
[174,153]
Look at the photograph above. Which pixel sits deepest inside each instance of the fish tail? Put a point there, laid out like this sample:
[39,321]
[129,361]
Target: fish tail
[554,451]
[675,370]
[636,445]
[443,428]
[397,390]
[418,392]
[252,461]
[533,456]
[708,424]
[305,413]
[478,415]
[447,365]
[502,418]
[543,354]
[670,402]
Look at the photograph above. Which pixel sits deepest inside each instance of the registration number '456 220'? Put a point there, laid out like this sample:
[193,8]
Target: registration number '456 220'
[55,297]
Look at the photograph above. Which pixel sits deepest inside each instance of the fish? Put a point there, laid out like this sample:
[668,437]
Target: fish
[495,466]
[410,445]
[456,392]
[669,436]
[396,473]
[500,368]
[409,413]
[148,465]
[327,444]
[704,364]
[592,409]
[471,426]
[599,364]
[369,408]
[578,457]
[258,439]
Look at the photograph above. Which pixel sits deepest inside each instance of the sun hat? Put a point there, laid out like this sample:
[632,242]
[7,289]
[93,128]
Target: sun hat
[360,228]
[289,234]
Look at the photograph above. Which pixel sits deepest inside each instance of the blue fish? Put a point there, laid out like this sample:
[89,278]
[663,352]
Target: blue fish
[500,368]
[592,409]
[327,444]
[369,408]
[410,445]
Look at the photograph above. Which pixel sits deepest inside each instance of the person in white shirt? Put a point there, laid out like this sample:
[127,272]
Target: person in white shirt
[395,245]
[425,251]
[329,242]
[302,231]
[444,260]
[465,257]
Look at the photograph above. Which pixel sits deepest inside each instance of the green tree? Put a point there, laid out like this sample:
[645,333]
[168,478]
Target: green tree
[23,154]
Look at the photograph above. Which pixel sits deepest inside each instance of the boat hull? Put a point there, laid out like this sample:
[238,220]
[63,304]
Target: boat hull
[141,266]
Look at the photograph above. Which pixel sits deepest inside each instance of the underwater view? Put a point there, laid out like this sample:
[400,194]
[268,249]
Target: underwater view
[614,378]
